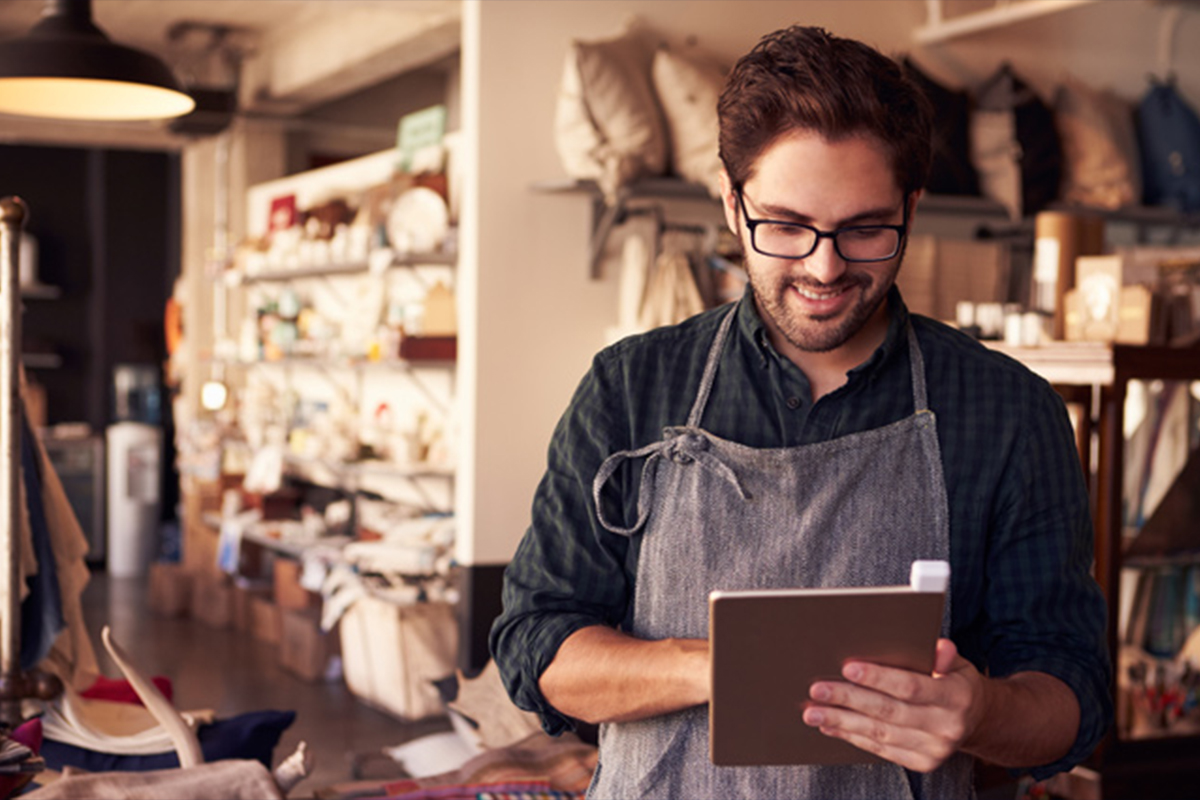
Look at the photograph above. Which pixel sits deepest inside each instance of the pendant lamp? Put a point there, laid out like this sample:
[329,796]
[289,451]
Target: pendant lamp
[67,68]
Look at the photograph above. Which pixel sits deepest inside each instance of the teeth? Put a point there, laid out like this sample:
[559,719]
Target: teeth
[811,295]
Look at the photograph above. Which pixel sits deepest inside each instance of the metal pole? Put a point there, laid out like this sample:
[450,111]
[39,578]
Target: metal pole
[12,220]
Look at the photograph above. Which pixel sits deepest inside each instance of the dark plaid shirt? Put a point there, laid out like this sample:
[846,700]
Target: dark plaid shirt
[1020,529]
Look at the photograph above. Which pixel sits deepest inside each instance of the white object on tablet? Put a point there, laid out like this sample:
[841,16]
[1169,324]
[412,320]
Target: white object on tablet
[769,646]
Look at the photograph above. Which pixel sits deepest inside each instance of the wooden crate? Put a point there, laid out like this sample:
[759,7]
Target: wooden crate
[304,649]
[266,625]
[212,599]
[392,654]
[289,594]
[169,593]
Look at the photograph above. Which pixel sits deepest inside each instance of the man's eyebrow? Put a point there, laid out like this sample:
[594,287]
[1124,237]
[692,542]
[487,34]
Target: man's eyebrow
[784,214]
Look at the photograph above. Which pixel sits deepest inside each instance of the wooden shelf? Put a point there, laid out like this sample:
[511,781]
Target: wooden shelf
[41,360]
[348,268]
[1065,363]
[40,291]
[356,364]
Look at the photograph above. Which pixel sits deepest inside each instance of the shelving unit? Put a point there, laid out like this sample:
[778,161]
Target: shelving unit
[41,360]
[334,390]
[647,196]
[349,268]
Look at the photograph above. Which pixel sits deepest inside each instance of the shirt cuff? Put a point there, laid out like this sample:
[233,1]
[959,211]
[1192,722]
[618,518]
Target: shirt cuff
[533,661]
[1095,711]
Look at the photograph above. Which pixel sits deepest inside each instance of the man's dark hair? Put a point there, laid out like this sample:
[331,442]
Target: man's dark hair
[808,79]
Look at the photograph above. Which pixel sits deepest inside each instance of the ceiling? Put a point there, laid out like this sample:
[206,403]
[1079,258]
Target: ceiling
[297,53]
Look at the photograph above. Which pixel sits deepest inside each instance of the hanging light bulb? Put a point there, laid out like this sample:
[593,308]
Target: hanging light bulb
[67,68]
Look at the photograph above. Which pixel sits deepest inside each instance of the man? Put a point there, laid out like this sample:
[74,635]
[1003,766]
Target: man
[813,434]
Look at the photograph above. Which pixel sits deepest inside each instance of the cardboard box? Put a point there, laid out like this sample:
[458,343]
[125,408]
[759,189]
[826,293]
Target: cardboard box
[289,594]
[265,623]
[281,504]
[392,654]
[170,590]
[244,592]
[212,599]
[304,649]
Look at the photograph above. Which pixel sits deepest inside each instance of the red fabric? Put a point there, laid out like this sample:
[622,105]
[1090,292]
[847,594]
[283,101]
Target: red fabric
[29,734]
[119,691]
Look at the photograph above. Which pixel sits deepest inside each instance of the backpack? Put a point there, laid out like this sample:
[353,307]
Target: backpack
[1015,145]
[951,171]
[1169,142]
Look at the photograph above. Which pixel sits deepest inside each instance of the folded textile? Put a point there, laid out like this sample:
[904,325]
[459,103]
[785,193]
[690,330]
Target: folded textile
[12,751]
[564,764]
[107,726]
[29,735]
[253,735]
[539,766]
[120,691]
[474,791]
[229,780]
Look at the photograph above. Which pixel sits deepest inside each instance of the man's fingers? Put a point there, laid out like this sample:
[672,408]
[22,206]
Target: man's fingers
[911,687]
[911,759]
[903,745]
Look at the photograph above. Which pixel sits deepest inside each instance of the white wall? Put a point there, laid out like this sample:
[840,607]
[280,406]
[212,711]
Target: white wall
[540,318]
[536,316]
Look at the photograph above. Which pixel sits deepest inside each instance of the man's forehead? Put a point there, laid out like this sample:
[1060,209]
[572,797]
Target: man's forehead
[806,174]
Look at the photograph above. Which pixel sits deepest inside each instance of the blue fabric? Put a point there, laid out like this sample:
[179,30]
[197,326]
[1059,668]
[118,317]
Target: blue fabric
[1169,141]
[251,735]
[41,610]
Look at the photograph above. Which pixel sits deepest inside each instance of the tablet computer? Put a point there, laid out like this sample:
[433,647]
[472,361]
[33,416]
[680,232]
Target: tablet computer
[768,647]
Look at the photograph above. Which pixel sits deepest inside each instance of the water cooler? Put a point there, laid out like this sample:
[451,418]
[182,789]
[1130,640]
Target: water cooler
[135,447]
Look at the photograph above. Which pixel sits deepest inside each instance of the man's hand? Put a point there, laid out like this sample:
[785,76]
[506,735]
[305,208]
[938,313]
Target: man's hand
[917,721]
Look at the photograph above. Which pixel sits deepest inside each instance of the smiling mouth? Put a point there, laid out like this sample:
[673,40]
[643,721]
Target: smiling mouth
[820,294]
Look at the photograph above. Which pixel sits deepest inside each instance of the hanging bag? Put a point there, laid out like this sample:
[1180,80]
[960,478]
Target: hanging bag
[1015,145]
[1169,141]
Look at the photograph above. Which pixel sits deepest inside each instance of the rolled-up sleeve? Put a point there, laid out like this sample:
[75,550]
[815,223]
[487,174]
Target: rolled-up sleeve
[1046,610]
[568,572]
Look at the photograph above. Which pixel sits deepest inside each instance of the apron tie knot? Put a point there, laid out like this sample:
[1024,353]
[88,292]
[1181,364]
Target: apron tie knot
[686,446]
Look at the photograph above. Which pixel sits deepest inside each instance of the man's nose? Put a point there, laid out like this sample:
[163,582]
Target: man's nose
[824,264]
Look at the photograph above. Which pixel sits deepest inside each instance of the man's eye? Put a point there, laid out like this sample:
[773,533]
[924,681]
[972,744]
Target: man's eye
[863,234]
[780,230]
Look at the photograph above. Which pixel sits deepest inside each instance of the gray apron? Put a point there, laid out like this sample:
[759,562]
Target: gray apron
[714,514]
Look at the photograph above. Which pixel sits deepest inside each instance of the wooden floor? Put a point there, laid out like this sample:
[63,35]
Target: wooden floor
[232,673]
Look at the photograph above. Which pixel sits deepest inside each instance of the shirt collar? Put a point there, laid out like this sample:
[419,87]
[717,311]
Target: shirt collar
[754,331]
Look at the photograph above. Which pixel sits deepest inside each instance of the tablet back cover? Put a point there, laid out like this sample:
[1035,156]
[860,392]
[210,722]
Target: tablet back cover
[768,647]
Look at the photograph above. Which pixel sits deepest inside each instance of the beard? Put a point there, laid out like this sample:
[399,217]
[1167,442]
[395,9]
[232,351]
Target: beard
[819,333]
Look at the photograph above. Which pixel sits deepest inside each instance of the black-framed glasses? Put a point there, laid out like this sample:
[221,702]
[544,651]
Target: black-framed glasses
[795,240]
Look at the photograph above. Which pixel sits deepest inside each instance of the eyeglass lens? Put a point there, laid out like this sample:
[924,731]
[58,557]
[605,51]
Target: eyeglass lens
[861,243]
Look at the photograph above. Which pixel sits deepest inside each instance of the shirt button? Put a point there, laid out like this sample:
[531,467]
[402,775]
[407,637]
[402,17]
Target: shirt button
[793,403]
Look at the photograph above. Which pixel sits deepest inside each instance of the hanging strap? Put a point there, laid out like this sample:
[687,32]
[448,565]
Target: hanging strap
[710,367]
[682,446]
[917,363]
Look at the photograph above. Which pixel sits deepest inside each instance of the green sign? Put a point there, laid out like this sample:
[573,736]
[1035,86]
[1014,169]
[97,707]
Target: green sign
[419,130]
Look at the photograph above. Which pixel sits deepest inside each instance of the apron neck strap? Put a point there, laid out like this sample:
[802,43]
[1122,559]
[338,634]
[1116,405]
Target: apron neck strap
[917,362]
[710,367]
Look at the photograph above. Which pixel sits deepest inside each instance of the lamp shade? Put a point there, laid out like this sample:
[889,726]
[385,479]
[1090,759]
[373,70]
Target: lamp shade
[67,68]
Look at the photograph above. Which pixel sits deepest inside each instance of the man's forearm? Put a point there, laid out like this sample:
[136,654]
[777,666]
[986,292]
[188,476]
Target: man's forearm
[1030,718]
[603,675]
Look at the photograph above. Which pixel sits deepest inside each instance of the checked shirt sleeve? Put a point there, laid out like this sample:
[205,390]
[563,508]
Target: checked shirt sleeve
[1047,612]
[568,572]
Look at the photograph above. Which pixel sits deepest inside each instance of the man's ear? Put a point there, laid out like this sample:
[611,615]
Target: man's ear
[729,202]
